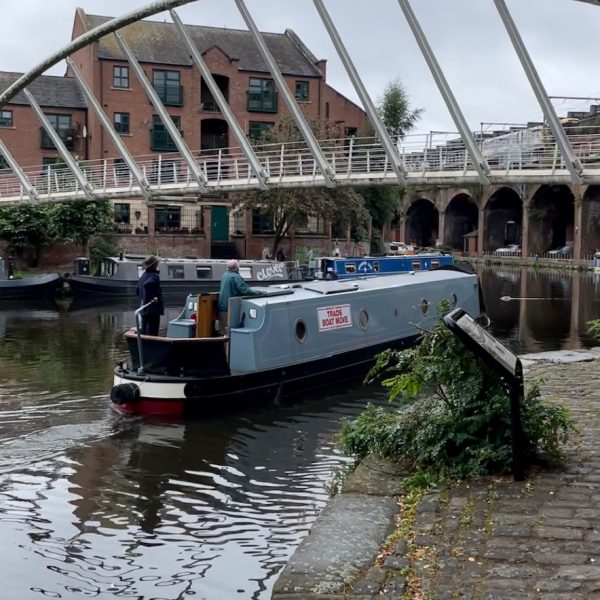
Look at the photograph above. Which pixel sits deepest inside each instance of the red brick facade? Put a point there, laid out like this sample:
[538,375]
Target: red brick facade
[196,116]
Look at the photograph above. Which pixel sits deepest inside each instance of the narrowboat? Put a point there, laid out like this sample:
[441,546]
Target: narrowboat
[336,267]
[118,275]
[31,288]
[290,338]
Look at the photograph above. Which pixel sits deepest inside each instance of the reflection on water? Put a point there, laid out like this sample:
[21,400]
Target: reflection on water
[97,505]
[537,309]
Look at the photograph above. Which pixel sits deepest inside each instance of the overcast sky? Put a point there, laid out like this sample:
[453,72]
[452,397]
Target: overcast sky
[467,36]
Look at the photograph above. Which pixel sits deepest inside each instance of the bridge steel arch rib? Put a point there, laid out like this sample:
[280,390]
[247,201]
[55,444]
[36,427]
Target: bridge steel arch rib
[479,162]
[222,103]
[114,136]
[164,115]
[83,40]
[60,146]
[382,134]
[309,137]
[572,163]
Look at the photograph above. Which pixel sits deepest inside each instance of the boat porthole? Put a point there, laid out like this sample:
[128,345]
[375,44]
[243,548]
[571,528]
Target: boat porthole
[424,306]
[454,300]
[300,330]
[363,318]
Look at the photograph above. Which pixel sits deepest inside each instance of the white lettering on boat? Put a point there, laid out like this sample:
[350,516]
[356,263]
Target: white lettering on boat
[334,317]
[276,271]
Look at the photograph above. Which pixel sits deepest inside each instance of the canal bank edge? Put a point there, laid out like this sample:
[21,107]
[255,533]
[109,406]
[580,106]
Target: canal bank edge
[494,538]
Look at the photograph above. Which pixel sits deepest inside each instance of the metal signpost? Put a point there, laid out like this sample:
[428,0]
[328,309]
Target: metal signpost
[505,363]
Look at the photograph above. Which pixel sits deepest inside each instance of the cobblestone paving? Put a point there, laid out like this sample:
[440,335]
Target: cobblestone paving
[500,539]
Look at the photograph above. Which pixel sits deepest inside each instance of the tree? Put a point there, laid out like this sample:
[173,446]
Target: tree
[76,222]
[287,207]
[25,225]
[395,112]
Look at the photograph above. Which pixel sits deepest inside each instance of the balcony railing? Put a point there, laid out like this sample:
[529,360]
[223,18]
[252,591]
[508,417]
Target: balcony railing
[262,102]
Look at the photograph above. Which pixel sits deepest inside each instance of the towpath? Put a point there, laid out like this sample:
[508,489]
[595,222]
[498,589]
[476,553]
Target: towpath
[496,539]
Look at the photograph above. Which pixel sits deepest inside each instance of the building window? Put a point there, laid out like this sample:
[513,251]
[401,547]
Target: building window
[262,96]
[168,87]
[122,213]
[302,91]
[327,110]
[3,163]
[63,125]
[257,129]
[168,219]
[6,118]
[262,222]
[121,77]
[160,140]
[121,122]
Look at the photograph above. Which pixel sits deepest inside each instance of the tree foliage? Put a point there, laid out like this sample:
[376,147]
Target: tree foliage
[25,225]
[76,222]
[287,207]
[395,112]
[451,413]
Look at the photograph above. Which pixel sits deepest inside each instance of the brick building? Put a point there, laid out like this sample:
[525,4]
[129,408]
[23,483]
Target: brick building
[243,78]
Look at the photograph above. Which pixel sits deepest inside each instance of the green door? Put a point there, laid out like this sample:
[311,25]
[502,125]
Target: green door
[219,226]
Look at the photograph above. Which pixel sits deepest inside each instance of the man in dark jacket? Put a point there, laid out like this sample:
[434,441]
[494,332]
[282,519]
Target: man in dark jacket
[232,284]
[149,290]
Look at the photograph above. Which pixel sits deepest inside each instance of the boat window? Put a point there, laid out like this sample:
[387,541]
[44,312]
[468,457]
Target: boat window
[453,300]
[424,306]
[350,268]
[246,272]
[175,271]
[363,318]
[416,265]
[203,273]
[435,264]
[376,266]
[300,330]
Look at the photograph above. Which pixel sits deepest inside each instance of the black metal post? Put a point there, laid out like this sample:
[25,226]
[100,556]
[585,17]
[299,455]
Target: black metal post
[516,430]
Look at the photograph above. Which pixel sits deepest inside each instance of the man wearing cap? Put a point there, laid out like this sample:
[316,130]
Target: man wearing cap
[232,284]
[149,290]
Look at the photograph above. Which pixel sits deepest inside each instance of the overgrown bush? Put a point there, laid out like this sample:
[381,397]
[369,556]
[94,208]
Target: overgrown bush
[450,413]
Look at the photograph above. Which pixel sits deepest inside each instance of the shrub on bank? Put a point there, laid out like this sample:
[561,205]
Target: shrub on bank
[450,413]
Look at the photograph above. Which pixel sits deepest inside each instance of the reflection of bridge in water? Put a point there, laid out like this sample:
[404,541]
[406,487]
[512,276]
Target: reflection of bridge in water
[548,155]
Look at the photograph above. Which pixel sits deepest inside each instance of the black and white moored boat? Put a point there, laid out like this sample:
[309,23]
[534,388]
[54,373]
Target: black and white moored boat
[290,338]
[118,275]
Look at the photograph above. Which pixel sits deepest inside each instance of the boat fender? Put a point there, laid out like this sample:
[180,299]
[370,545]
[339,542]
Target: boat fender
[125,393]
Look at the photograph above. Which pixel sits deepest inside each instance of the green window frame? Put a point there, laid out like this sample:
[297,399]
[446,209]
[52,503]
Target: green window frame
[160,140]
[121,77]
[6,118]
[262,96]
[168,87]
[121,122]
[302,88]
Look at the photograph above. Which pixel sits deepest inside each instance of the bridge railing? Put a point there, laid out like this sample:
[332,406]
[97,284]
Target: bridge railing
[353,161]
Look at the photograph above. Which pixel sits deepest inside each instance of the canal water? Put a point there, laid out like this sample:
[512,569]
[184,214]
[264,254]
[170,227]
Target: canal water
[97,505]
